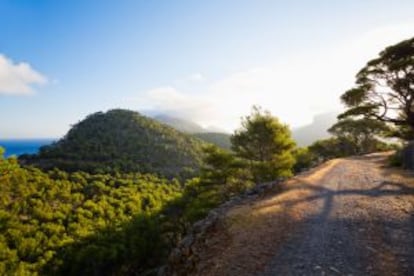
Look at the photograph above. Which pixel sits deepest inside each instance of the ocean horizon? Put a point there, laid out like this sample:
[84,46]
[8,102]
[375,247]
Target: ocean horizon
[24,146]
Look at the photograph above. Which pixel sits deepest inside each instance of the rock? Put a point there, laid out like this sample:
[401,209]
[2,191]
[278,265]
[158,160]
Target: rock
[334,269]
[317,267]
[175,256]
[212,216]
[187,242]
[250,192]
[184,259]
[185,251]
[301,265]
[162,271]
[199,226]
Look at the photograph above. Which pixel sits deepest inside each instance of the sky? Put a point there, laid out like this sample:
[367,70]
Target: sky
[207,61]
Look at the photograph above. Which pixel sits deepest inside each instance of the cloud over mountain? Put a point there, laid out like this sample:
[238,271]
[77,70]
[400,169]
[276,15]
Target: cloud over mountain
[294,88]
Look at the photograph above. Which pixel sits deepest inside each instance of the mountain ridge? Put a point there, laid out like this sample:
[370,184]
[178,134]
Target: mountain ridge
[210,135]
[316,130]
[303,135]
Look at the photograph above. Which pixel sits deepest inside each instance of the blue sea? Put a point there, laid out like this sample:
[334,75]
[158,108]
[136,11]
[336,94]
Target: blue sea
[21,146]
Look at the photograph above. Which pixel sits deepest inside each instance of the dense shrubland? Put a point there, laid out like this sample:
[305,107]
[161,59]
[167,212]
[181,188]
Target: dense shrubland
[60,223]
[71,223]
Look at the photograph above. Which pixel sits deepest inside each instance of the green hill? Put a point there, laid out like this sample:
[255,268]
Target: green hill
[122,141]
[221,140]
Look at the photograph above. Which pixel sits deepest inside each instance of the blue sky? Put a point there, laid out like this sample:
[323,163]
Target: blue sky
[205,60]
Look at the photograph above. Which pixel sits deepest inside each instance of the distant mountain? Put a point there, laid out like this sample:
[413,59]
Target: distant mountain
[214,129]
[303,136]
[186,125]
[221,140]
[125,141]
[306,135]
[209,134]
[180,124]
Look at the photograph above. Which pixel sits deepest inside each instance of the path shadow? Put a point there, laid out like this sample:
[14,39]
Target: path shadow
[346,247]
[383,189]
[340,246]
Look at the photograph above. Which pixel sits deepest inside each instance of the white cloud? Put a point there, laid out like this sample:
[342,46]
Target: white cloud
[294,89]
[18,78]
[189,80]
[171,101]
[196,77]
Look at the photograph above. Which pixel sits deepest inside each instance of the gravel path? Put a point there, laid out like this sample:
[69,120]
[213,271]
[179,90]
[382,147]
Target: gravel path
[347,217]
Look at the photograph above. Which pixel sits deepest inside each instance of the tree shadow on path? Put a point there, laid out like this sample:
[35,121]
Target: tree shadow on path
[352,231]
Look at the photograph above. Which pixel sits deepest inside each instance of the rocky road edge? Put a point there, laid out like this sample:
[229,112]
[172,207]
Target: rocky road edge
[184,258]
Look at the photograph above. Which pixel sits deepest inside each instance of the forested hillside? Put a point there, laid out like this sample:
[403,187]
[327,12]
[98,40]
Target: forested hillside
[52,223]
[122,141]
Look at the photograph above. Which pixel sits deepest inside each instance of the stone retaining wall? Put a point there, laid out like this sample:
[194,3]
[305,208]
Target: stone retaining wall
[184,258]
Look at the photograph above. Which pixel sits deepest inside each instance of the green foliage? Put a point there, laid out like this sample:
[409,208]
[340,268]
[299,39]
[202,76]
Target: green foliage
[331,148]
[197,201]
[403,132]
[304,159]
[61,223]
[361,134]
[396,159]
[385,87]
[342,146]
[7,166]
[228,172]
[223,176]
[124,250]
[262,151]
[122,141]
[352,137]
[266,144]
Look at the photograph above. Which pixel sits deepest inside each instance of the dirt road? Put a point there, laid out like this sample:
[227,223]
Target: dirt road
[346,217]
